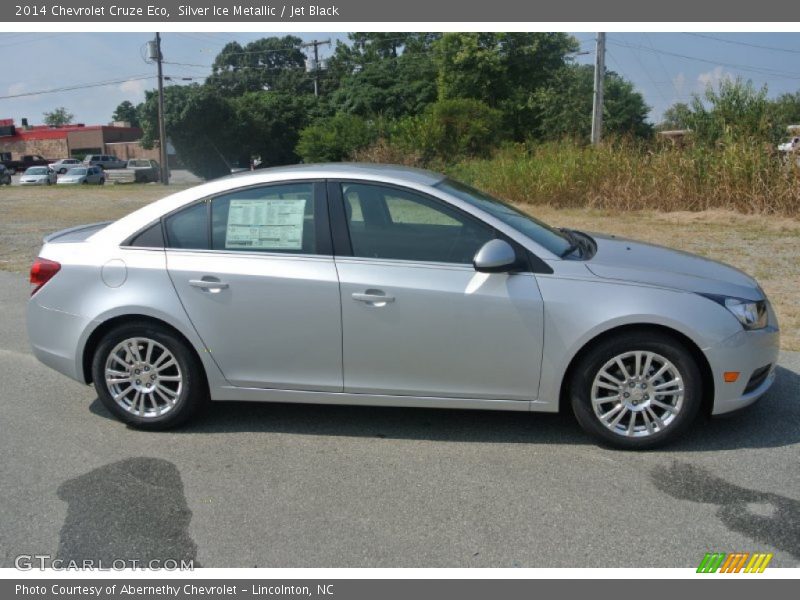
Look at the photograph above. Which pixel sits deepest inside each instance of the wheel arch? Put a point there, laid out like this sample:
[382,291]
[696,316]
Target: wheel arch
[101,330]
[698,355]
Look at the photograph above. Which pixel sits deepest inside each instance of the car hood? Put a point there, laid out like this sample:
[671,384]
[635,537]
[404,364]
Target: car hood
[629,260]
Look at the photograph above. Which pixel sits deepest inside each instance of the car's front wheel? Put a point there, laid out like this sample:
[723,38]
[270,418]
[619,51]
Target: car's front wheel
[637,390]
[147,376]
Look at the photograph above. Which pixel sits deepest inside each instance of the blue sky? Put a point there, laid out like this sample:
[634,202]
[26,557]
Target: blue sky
[665,67]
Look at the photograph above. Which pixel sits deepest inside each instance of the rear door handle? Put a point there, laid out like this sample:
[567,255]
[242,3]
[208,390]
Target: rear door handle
[208,284]
[373,297]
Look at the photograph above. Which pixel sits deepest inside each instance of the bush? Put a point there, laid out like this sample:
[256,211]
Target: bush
[335,138]
[450,130]
[628,175]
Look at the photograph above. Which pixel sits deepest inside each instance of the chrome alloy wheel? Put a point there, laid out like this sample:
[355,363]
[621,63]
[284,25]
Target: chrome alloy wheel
[143,377]
[637,394]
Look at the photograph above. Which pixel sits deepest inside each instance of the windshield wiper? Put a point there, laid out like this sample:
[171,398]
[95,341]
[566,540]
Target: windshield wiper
[574,242]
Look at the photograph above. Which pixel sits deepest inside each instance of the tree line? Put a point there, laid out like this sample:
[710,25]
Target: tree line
[434,97]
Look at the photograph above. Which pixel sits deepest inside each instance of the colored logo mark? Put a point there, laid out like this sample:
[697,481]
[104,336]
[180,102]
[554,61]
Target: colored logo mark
[737,562]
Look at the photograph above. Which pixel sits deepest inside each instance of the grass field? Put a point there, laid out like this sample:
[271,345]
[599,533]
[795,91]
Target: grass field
[767,247]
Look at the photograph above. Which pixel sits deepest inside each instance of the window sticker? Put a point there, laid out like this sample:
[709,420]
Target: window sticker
[273,224]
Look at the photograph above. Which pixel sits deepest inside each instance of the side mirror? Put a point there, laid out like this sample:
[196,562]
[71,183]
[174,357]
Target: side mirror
[495,256]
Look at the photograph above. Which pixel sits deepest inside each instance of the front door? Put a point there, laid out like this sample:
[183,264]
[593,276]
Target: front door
[417,319]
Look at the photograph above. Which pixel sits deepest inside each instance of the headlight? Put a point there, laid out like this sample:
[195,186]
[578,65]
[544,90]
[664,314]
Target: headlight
[752,314]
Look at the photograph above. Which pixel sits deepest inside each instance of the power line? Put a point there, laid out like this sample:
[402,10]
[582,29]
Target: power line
[750,68]
[663,68]
[81,86]
[747,44]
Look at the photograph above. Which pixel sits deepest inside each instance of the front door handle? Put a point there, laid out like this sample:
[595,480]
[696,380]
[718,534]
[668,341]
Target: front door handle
[373,297]
[211,285]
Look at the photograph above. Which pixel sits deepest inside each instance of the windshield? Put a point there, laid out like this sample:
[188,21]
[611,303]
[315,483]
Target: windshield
[76,172]
[36,171]
[541,233]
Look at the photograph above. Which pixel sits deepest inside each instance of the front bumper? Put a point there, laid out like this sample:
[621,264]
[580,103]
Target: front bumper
[754,354]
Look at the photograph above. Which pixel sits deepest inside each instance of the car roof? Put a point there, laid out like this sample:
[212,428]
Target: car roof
[344,171]
[389,174]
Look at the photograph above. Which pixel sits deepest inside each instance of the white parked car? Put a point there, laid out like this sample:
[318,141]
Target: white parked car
[64,165]
[38,176]
[791,146]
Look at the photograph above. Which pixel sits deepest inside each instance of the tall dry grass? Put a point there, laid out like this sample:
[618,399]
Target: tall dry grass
[628,175]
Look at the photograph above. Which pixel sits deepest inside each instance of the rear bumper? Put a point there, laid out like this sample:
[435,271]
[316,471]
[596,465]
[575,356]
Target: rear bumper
[754,354]
[54,337]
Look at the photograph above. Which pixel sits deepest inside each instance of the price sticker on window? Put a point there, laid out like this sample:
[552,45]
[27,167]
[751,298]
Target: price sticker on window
[268,224]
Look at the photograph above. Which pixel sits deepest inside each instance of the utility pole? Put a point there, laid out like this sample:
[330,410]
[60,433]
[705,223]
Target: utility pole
[162,129]
[599,81]
[316,44]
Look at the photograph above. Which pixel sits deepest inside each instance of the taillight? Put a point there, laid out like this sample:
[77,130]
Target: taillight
[42,271]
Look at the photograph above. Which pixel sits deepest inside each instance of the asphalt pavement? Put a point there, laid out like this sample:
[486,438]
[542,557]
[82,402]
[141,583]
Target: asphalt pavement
[274,485]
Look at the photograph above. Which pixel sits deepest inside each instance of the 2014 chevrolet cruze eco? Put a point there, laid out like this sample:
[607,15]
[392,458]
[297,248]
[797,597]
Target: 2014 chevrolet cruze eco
[355,284]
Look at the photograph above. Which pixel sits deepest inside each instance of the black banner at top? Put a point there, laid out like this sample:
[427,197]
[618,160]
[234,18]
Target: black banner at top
[473,11]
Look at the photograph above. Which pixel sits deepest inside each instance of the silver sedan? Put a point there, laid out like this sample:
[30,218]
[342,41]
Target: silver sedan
[377,285]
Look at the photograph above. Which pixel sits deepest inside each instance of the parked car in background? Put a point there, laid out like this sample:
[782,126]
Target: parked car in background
[382,285]
[5,175]
[65,164]
[85,175]
[138,170]
[104,161]
[38,176]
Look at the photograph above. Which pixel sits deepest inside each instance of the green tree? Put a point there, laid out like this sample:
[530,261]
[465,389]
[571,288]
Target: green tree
[564,106]
[784,111]
[390,87]
[126,111]
[269,125]
[57,117]
[335,138]
[676,116]
[200,123]
[502,70]
[273,63]
[734,111]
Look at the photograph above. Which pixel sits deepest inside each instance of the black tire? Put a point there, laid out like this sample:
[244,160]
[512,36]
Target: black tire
[193,394]
[62,171]
[585,371]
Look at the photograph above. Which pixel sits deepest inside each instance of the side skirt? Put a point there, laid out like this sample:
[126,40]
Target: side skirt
[231,393]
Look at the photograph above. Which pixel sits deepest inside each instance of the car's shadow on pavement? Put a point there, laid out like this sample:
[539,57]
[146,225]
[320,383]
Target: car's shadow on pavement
[774,421]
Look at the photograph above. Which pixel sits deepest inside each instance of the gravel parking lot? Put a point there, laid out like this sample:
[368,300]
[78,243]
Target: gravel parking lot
[323,486]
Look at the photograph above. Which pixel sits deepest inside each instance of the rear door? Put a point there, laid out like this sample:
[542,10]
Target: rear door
[255,273]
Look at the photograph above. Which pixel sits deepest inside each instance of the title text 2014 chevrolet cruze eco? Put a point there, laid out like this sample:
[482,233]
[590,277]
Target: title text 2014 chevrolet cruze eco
[380,285]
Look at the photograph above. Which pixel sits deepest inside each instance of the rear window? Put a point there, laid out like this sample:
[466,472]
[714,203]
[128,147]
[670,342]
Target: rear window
[188,229]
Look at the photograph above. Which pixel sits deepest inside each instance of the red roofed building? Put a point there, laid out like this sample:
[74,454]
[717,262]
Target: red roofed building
[72,140]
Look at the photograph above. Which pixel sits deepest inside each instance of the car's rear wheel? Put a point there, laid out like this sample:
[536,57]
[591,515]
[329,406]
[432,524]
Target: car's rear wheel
[637,390]
[147,377]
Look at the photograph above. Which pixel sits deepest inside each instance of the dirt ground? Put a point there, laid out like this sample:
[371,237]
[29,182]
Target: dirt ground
[766,247]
